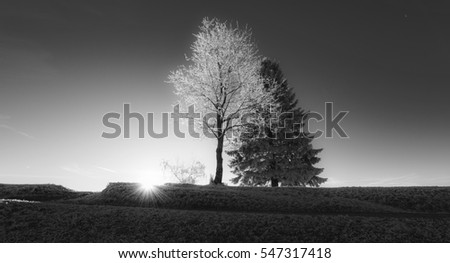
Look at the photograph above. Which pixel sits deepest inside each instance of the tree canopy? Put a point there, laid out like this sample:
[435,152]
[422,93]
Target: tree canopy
[222,80]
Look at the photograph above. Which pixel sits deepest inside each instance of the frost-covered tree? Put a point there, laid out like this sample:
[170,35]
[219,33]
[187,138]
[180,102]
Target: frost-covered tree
[222,80]
[185,174]
[284,154]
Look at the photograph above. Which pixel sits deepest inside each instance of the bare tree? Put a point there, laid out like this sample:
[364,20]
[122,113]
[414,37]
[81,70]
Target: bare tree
[223,79]
[185,174]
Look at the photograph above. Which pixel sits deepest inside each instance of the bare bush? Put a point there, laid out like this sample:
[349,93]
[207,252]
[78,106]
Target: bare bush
[185,174]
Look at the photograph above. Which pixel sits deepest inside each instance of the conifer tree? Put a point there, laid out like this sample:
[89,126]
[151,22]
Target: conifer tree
[281,154]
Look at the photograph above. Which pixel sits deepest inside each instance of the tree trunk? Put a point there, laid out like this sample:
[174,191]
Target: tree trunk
[274,182]
[219,150]
[219,159]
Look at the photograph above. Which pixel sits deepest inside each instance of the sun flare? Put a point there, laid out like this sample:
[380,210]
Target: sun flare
[147,185]
[150,189]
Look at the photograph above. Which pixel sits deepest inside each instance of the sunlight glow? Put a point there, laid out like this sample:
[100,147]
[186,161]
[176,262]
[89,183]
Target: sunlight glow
[147,185]
[150,189]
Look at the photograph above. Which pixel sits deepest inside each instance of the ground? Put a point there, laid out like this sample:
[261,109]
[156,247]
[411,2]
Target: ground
[187,213]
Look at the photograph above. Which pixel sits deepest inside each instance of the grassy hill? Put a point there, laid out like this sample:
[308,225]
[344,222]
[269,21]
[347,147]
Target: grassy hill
[38,192]
[123,212]
[278,200]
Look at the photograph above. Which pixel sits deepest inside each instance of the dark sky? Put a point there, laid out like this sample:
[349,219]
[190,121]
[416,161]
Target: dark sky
[63,64]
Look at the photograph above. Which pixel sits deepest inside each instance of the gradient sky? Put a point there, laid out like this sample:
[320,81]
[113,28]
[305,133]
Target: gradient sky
[64,64]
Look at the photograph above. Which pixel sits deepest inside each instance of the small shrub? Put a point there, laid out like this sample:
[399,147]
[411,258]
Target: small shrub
[185,174]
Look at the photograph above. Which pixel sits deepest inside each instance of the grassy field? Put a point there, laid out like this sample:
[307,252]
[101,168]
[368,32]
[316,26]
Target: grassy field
[187,213]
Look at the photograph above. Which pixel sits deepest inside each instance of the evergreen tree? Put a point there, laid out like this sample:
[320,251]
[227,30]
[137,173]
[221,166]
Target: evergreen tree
[282,154]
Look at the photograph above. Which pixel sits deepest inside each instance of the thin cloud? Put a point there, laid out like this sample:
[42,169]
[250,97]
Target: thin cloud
[76,169]
[105,169]
[14,130]
[86,171]
[26,135]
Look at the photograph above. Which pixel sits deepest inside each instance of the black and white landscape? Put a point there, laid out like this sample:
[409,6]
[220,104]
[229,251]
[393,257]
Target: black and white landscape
[201,121]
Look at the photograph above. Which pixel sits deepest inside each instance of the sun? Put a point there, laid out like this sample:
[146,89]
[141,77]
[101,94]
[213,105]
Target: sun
[150,189]
[147,184]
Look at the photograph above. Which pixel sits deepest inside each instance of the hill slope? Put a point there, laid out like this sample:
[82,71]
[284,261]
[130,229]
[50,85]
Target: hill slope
[277,200]
[38,192]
